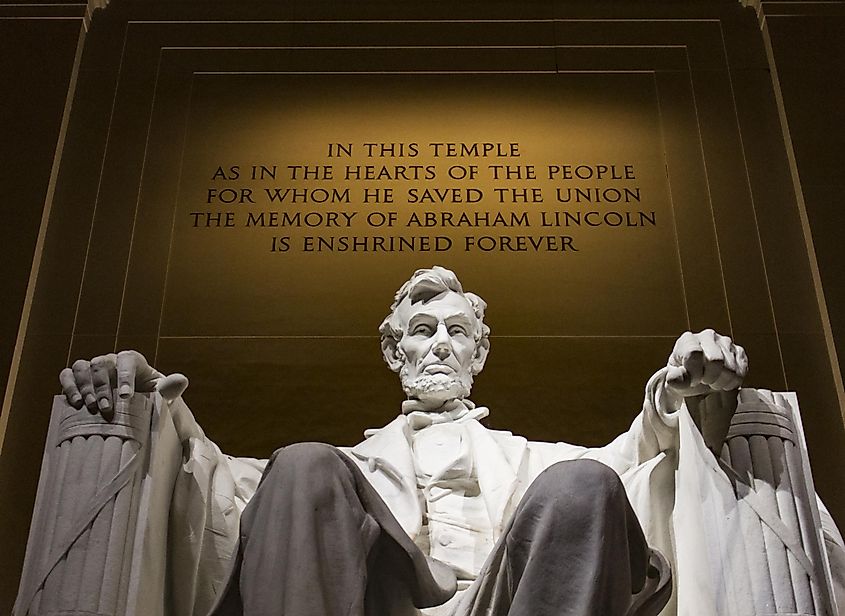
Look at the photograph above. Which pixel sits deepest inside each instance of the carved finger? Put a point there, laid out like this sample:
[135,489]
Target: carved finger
[101,367]
[728,353]
[687,356]
[741,362]
[172,386]
[714,361]
[146,376]
[730,377]
[684,345]
[677,377]
[69,388]
[82,375]
[127,365]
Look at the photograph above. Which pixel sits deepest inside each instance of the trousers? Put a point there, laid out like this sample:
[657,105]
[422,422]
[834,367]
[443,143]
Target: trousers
[317,540]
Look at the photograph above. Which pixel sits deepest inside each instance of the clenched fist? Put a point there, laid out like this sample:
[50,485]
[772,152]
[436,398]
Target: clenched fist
[705,363]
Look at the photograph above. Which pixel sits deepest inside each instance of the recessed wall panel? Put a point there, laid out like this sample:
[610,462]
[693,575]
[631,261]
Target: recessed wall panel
[296,190]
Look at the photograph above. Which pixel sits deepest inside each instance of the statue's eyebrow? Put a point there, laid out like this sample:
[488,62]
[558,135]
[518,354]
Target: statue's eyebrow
[460,318]
[418,316]
[456,317]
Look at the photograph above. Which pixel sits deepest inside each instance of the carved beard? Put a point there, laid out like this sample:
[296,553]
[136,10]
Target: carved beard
[437,386]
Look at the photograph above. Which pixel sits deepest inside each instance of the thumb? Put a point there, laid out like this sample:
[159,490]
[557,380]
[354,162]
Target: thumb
[677,376]
[172,386]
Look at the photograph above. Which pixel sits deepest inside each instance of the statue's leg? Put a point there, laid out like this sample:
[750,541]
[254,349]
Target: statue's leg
[317,540]
[574,547]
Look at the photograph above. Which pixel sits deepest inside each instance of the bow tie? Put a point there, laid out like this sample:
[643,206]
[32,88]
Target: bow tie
[455,411]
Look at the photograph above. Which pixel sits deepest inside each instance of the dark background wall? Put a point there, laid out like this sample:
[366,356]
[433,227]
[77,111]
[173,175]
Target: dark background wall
[802,42]
[38,45]
[806,45]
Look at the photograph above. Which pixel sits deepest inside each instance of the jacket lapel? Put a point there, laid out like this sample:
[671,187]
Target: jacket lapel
[388,464]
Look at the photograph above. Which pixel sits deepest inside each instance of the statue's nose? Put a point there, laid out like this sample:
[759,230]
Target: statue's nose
[442,347]
[441,350]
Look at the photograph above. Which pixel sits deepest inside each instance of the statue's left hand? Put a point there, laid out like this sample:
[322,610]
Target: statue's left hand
[705,363]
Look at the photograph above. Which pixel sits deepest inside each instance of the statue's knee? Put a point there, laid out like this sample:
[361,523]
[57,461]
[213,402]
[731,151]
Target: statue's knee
[574,482]
[306,462]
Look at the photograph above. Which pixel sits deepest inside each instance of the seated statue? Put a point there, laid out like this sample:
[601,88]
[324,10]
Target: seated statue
[434,511]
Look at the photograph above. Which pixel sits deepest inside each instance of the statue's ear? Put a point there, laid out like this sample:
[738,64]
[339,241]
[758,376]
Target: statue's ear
[481,351]
[390,350]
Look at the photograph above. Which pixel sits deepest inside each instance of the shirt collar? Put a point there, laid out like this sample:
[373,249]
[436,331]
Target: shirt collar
[454,411]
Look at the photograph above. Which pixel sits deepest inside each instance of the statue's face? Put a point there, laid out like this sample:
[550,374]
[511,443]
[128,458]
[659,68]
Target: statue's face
[439,348]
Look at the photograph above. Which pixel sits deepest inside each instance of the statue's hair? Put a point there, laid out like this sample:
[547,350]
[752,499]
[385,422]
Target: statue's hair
[424,285]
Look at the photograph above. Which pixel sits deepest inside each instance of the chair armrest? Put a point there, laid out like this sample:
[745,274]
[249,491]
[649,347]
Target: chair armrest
[97,541]
[765,456]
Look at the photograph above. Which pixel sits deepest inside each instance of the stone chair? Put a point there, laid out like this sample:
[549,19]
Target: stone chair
[98,540]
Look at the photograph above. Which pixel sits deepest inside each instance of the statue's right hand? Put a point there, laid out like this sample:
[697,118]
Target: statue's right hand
[90,383]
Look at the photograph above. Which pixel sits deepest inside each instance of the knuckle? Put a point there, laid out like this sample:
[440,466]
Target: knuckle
[100,378]
[131,357]
[708,333]
[80,365]
[714,354]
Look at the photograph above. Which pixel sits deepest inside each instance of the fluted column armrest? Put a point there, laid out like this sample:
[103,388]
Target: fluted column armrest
[765,456]
[98,536]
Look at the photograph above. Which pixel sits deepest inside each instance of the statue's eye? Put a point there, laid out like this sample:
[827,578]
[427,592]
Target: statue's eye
[457,330]
[422,330]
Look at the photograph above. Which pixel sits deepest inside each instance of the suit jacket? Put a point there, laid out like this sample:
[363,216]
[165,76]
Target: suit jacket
[683,499]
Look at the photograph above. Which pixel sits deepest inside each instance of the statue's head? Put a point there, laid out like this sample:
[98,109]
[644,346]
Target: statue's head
[435,337]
